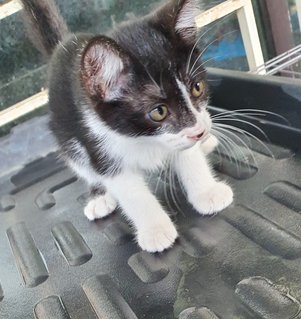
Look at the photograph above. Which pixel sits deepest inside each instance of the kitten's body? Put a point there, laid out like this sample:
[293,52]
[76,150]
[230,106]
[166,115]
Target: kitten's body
[106,94]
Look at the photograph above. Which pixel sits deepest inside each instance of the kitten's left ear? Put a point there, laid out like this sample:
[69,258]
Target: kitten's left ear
[104,68]
[178,17]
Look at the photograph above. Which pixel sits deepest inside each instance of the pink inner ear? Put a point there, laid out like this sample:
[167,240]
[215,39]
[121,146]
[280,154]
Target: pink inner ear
[91,62]
[103,67]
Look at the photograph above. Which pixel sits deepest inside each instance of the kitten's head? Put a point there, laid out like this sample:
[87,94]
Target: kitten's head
[146,78]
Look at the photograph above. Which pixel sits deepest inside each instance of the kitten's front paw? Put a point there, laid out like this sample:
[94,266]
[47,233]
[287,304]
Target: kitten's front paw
[157,236]
[210,144]
[218,197]
[100,207]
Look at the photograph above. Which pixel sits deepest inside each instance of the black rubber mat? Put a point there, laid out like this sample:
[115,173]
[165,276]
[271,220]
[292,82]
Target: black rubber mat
[243,263]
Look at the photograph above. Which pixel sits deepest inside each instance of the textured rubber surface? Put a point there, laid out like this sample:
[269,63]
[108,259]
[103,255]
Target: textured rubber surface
[243,263]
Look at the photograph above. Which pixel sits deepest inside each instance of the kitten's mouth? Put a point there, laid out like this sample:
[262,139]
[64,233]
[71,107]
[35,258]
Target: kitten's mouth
[202,136]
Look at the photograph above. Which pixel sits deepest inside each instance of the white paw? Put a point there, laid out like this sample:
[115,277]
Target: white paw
[158,236]
[100,207]
[209,144]
[218,197]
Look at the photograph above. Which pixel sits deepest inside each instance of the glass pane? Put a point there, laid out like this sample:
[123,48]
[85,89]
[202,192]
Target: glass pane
[222,44]
[294,21]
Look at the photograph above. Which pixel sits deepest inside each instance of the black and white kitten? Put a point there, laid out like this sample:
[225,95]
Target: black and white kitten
[123,103]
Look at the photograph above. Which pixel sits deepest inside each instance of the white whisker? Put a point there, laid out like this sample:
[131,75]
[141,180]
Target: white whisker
[172,187]
[244,132]
[205,49]
[244,122]
[152,79]
[243,143]
[242,112]
[202,64]
[232,147]
[188,70]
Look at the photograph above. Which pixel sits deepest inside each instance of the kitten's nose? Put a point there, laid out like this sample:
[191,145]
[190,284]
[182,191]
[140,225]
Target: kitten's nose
[197,137]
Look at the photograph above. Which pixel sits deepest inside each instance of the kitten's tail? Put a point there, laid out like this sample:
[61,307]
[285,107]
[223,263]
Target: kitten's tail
[46,27]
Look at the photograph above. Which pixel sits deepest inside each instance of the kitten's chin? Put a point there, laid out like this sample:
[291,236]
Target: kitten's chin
[175,142]
[189,143]
[185,146]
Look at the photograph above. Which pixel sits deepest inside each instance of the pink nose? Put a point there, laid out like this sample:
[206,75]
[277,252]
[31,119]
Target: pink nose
[197,137]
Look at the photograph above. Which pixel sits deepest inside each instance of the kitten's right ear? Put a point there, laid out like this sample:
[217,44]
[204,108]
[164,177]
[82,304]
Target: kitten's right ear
[178,19]
[103,68]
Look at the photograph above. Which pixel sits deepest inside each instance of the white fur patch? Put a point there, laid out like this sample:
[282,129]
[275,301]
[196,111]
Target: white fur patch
[85,171]
[112,69]
[203,120]
[80,162]
[186,96]
[100,206]
[79,153]
[209,144]
[157,236]
[142,152]
[213,200]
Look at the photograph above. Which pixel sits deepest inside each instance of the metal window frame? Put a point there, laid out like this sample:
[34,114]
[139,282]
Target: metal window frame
[298,5]
[9,8]
[283,62]
[247,23]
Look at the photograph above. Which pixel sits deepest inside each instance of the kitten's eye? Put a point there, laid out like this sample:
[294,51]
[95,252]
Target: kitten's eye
[159,113]
[198,89]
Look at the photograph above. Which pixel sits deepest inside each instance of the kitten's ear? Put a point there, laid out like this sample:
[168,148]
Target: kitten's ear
[178,17]
[185,21]
[103,68]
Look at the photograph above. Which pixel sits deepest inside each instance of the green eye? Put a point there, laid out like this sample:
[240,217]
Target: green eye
[198,89]
[159,113]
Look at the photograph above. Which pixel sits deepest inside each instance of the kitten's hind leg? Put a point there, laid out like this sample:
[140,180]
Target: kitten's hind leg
[101,203]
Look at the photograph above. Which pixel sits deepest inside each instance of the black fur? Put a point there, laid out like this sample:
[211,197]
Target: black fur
[65,97]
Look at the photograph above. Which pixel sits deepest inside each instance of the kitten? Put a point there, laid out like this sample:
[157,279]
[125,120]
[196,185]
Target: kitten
[123,103]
